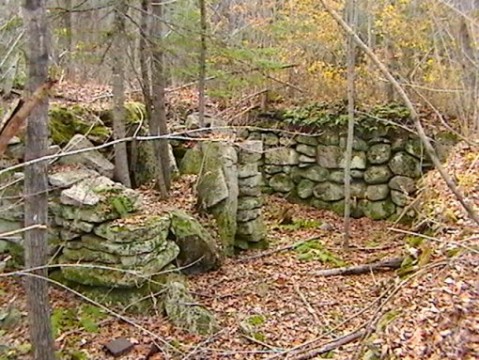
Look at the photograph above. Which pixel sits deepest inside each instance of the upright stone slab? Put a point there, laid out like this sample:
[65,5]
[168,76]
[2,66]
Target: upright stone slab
[218,189]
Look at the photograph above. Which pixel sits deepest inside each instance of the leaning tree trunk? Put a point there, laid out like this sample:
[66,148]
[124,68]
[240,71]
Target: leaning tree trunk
[36,187]
[158,124]
[122,173]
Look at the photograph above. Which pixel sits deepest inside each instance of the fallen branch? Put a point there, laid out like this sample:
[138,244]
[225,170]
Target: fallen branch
[385,265]
[15,123]
[274,251]
[343,340]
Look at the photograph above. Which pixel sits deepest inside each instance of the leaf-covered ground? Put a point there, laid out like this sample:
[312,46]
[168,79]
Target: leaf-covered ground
[272,305]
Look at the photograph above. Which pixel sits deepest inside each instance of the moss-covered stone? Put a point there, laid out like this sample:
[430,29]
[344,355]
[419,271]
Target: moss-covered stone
[183,311]
[378,210]
[198,249]
[94,274]
[136,229]
[191,162]
[64,122]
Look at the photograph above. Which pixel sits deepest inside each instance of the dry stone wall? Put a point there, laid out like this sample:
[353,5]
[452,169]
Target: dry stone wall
[310,168]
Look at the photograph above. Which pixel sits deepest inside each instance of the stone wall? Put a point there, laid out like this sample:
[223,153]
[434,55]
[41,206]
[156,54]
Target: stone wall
[229,188]
[310,168]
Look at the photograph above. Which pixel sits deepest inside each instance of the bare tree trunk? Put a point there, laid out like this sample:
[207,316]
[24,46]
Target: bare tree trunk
[122,173]
[36,186]
[144,55]
[158,124]
[414,115]
[67,36]
[202,77]
[351,53]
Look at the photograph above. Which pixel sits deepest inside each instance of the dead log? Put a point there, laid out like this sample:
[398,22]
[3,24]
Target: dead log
[385,265]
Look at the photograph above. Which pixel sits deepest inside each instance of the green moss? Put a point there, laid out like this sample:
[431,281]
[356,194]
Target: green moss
[65,122]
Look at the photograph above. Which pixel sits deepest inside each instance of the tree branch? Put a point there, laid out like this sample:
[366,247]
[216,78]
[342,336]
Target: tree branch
[414,115]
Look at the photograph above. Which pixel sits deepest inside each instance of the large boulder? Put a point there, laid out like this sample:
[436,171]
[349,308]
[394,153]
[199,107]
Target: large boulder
[198,250]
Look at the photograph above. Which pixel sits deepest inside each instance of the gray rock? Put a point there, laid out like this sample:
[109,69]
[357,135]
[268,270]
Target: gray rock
[307,150]
[358,160]
[328,156]
[249,191]
[328,191]
[75,225]
[403,184]
[212,185]
[253,231]
[357,174]
[303,159]
[399,198]
[358,189]
[315,173]
[273,169]
[87,192]
[337,176]
[198,250]
[248,215]
[405,164]
[378,210]
[329,138]
[191,161]
[252,181]
[307,140]
[377,192]
[143,246]
[305,188]
[184,312]
[398,143]
[281,183]
[379,153]
[249,203]
[92,159]
[358,144]
[67,178]
[95,276]
[134,229]
[223,157]
[249,151]
[378,174]
[248,170]
[415,148]
[281,156]
[270,139]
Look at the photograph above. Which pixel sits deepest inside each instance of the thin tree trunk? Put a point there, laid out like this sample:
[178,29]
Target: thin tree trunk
[351,18]
[67,36]
[202,74]
[122,173]
[158,124]
[144,54]
[414,115]
[36,186]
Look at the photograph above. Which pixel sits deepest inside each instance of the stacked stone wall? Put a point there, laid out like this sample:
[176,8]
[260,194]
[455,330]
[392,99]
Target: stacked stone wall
[310,168]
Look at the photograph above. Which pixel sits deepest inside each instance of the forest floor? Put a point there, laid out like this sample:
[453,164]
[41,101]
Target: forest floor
[272,305]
